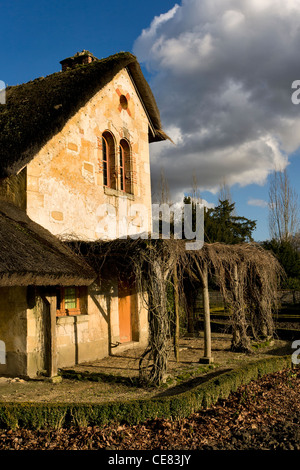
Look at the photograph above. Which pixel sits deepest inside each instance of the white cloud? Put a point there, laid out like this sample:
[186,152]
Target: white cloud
[158,21]
[233,19]
[222,80]
[209,205]
[257,202]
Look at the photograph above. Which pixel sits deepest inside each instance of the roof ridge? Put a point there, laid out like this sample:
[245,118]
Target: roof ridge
[37,110]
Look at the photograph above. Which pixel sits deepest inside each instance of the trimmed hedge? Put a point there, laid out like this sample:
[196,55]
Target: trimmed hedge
[57,415]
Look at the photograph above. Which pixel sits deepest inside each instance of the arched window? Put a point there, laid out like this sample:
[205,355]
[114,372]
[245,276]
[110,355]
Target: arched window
[122,168]
[108,160]
[125,182]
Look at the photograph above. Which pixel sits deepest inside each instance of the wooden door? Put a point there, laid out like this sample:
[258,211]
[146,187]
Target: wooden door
[126,306]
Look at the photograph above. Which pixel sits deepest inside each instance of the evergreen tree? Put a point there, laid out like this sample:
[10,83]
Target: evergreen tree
[289,257]
[221,225]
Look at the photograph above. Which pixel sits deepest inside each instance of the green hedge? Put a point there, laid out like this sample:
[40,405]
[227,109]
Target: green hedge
[56,415]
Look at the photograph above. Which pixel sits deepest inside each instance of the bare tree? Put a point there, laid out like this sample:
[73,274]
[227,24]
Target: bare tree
[224,193]
[196,194]
[164,196]
[283,207]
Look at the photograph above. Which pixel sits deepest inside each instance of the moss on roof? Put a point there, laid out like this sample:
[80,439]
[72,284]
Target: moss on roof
[79,54]
[35,111]
[31,255]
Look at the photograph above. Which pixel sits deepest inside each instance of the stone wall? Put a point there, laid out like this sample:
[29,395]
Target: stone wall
[67,196]
[13,330]
[94,336]
[65,180]
[84,338]
[62,189]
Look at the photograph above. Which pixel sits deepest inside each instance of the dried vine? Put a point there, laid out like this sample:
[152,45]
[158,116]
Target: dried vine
[248,278]
[246,275]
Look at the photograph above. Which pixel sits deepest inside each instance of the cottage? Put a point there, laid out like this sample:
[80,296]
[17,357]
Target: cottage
[74,159]
[33,263]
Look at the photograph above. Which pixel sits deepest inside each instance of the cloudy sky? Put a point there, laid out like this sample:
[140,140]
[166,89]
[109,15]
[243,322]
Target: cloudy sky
[221,72]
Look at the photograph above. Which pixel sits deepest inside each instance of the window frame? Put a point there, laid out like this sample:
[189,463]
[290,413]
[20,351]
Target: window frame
[80,299]
[124,145]
[122,168]
[105,162]
[109,166]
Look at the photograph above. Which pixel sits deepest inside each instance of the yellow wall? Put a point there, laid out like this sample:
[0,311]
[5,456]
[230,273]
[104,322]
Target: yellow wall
[64,191]
[13,330]
[65,179]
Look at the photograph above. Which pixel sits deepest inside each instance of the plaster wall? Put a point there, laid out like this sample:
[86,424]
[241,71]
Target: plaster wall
[66,195]
[65,180]
[13,331]
[94,336]
[24,330]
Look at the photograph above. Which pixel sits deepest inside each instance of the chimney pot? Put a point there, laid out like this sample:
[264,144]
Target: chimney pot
[80,58]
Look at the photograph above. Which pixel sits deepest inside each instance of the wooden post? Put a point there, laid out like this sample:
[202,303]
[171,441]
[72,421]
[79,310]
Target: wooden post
[207,358]
[177,324]
[235,333]
[52,351]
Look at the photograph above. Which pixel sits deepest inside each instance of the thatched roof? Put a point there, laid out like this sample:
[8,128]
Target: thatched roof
[30,255]
[36,111]
[71,60]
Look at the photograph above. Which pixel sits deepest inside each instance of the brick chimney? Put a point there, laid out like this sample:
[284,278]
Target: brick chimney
[80,58]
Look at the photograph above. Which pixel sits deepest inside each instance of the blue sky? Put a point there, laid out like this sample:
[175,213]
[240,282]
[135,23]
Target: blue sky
[37,34]
[221,73]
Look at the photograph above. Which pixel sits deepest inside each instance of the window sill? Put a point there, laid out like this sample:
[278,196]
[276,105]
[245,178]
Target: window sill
[68,313]
[117,193]
[70,319]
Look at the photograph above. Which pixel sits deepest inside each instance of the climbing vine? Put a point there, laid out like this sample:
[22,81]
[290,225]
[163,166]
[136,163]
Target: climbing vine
[246,275]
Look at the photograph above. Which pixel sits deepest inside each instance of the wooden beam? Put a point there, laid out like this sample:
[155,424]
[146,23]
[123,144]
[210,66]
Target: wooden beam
[207,330]
[203,272]
[52,348]
[177,324]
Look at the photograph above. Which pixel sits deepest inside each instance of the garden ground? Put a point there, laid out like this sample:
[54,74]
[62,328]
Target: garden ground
[115,378]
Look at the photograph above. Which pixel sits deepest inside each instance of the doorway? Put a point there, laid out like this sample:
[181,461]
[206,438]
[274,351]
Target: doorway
[127,311]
